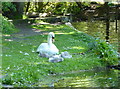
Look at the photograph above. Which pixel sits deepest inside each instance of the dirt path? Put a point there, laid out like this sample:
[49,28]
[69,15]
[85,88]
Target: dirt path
[25,30]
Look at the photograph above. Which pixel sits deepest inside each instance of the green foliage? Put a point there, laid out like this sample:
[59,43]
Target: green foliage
[57,8]
[7,27]
[105,51]
[8,6]
[73,8]
[61,8]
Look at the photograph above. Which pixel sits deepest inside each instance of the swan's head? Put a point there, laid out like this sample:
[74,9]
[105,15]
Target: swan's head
[52,36]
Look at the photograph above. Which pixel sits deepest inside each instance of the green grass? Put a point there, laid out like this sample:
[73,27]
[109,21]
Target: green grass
[23,67]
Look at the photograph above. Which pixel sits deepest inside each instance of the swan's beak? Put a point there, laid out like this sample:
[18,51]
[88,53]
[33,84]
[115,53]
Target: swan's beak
[53,39]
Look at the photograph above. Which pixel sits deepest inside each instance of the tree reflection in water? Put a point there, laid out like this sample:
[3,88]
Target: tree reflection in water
[98,29]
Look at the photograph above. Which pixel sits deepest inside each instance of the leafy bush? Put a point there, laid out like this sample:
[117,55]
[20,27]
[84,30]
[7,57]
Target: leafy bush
[105,51]
[8,6]
[7,27]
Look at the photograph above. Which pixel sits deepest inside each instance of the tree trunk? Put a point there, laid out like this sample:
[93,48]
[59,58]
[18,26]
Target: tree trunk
[107,21]
[36,5]
[79,4]
[81,15]
[19,10]
[116,17]
[27,8]
[119,38]
[40,6]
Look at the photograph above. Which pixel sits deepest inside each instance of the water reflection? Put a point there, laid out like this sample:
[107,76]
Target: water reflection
[98,29]
[103,78]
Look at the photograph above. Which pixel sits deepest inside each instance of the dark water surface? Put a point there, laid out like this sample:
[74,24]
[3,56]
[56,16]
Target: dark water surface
[98,29]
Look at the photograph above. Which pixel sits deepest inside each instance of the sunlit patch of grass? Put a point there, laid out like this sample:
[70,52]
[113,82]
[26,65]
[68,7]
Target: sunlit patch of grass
[57,32]
[77,47]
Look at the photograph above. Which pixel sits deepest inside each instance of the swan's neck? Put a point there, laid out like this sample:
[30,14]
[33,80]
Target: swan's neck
[49,40]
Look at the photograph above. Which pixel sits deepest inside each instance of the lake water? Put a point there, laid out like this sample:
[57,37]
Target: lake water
[98,29]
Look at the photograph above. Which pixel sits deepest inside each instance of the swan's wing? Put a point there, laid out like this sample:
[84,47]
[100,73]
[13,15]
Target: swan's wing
[47,50]
[54,49]
[66,55]
[42,47]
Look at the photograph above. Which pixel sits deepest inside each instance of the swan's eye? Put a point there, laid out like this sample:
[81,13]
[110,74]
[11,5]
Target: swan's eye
[52,37]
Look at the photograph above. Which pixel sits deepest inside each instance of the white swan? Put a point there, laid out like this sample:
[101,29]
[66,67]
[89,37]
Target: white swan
[56,58]
[65,55]
[60,57]
[48,49]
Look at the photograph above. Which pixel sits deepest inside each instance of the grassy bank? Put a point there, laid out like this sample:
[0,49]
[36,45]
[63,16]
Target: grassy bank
[22,66]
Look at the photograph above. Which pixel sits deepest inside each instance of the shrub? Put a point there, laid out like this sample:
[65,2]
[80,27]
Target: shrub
[7,27]
[105,51]
[8,6]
